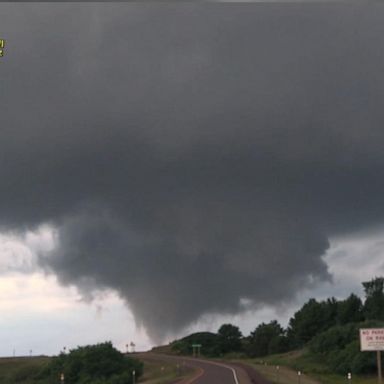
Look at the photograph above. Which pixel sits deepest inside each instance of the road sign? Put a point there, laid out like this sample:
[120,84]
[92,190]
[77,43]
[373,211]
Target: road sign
[372,339]
[196,349]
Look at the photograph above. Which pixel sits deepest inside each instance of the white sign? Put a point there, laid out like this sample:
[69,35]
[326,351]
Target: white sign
[372,339]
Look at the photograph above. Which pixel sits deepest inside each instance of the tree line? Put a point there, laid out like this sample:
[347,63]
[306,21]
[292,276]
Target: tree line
[329,329]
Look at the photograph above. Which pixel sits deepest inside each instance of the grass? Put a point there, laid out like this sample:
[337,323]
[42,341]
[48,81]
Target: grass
[312,371]
[20,370]
[158,371]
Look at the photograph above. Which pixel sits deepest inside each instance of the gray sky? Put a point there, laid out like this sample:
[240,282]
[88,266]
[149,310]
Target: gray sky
[193,162]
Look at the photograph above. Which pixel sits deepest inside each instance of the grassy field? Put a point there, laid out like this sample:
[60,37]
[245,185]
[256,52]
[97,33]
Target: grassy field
[312,372]
[20,370]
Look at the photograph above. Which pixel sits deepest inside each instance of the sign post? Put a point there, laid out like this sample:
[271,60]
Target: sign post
[372,339]
[196,349]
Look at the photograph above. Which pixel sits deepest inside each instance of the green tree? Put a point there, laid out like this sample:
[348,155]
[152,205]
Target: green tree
[374,299]
[314,317]
[330,310]
[229,338]
[267,339]
[350,310]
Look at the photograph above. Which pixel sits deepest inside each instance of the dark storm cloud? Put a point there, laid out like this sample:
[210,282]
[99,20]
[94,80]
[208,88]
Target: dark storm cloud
[191,156]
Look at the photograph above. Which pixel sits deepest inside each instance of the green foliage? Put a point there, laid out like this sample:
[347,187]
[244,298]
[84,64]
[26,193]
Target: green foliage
[267,339]
[374,303]
[339,348]
[209,342]
[373,286]
[25,374]
[350,310]
[335,338]
[227,340]
[314,317]
[92,364]
[229,337]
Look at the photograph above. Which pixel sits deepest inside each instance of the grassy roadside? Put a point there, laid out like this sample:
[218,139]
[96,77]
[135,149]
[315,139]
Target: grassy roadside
[312,372]
[158,371]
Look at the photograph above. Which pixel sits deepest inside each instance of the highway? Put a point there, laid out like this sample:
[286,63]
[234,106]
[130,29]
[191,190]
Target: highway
[210,372]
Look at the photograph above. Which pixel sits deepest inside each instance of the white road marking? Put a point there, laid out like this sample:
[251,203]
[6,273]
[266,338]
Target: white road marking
[224,366]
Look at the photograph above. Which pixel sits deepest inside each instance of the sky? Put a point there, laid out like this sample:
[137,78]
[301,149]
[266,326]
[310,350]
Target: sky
[166,168]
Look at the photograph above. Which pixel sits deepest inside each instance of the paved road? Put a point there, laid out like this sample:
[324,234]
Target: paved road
[211,373]
[206,372]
